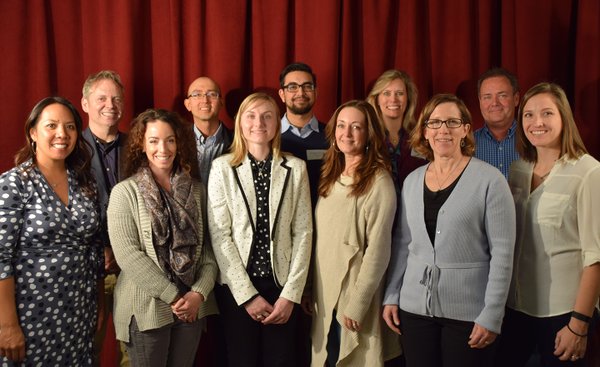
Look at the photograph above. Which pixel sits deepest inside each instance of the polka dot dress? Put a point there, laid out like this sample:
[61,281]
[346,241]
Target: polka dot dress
[49,249]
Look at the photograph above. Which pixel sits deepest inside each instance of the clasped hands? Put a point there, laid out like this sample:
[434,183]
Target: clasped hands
[262,311]
[186,308]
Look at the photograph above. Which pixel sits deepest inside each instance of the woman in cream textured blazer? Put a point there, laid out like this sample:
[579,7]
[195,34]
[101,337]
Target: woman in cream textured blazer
[354,216]
[157,227]
[260,222]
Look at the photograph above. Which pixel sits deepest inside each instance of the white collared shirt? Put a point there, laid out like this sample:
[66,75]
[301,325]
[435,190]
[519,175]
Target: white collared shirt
[558,234]
[304,132]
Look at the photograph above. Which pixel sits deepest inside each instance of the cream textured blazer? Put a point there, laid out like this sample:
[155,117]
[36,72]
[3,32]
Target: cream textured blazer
[232,217]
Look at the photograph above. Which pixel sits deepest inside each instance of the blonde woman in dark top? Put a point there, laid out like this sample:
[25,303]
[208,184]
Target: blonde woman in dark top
[261,230]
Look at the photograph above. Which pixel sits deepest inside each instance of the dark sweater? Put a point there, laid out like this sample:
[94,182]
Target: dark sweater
[300,147]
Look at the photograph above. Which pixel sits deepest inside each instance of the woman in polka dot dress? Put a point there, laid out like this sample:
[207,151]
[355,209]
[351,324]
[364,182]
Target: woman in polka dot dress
[50,263]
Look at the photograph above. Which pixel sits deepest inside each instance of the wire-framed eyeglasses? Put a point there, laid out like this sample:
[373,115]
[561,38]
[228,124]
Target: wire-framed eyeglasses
[450,123]
[211,94]
[294,87]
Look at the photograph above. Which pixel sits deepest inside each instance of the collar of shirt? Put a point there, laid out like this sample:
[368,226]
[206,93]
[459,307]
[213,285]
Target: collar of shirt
[509,135]
[203,140]
[313,125]
[107,147]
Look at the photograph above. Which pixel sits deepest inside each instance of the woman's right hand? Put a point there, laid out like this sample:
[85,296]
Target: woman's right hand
[258,309]
[392,318]
[12,343]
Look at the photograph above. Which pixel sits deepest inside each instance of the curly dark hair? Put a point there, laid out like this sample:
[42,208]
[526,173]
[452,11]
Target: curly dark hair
[79,159]
[185,159]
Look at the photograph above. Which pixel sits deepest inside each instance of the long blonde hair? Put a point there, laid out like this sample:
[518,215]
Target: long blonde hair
[408,120]
[239,149]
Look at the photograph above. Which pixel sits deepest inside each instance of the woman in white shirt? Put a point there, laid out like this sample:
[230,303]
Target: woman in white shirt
[556,277]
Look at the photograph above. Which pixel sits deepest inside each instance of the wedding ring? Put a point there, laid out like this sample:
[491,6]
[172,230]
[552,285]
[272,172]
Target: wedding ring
[574,357]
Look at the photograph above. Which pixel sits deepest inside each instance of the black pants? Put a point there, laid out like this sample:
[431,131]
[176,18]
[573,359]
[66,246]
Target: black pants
[435,342]
[250,343]
[522,334]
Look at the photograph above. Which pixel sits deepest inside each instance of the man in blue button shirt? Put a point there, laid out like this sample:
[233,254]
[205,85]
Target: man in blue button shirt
[498,92]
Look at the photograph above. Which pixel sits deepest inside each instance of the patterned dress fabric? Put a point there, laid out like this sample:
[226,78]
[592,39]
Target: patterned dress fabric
[51,251]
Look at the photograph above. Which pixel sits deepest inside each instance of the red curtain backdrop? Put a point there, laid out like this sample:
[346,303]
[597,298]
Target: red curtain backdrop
[159,46]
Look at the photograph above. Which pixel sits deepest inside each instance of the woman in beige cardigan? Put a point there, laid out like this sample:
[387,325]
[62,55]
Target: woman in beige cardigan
[157,227]
[354,215]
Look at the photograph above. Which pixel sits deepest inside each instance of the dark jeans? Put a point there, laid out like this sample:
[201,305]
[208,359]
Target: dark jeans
[250,343]
[522,334]
[434,342]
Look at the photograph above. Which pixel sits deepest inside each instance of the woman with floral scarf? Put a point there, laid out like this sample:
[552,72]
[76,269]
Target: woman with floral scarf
[156,223]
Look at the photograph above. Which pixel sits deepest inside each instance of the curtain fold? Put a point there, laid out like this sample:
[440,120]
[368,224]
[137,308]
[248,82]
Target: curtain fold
[158,47]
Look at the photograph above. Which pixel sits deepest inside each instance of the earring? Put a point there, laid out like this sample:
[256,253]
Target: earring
[335,148]
[462,143]
[426,142]
[33,147]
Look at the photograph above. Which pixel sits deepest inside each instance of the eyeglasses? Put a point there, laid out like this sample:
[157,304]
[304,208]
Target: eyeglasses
[293,87]
[450,123]
[211,94]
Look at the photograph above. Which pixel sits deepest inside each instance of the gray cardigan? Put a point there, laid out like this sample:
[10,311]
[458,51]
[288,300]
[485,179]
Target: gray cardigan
[466,275]
[143,289]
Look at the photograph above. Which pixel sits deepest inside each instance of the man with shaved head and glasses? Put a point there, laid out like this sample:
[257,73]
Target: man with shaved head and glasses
[204,101]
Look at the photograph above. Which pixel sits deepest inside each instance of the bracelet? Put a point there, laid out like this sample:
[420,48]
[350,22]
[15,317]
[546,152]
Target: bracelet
[581,317]
[579,335]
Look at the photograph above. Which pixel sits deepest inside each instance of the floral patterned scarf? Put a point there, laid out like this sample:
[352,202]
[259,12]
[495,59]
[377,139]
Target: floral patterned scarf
[174,218]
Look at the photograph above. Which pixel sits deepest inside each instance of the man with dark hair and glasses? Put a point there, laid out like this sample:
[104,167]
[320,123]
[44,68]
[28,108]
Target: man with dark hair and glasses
[301,133]
[204,101]
[303,136]
[498,93]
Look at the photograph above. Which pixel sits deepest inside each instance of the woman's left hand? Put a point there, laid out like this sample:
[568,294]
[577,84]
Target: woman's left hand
[481,337]
[186,308]
[282,310]
[350,324]
[568,346]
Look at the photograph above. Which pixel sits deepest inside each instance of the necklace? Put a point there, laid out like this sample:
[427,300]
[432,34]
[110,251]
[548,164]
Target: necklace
[440,185]
[262,167]
[544,176]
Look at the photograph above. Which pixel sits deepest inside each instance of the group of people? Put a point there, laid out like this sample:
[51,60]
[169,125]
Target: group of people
[375,237]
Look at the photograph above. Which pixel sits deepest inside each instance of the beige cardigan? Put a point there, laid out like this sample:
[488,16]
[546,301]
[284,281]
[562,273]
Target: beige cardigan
[143,290]
[351,257]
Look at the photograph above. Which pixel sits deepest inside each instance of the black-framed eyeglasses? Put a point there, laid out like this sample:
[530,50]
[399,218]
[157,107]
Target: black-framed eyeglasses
[294,87]
[211,94]
[450,123]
